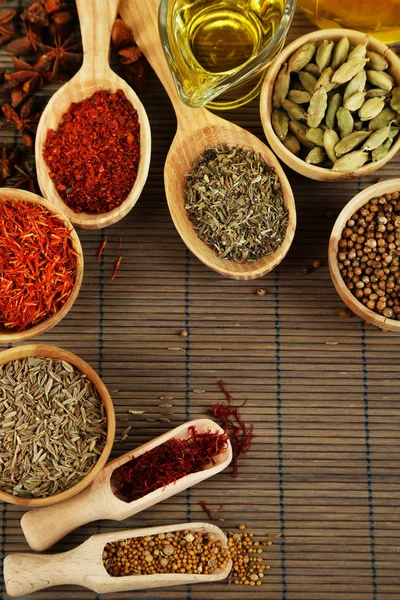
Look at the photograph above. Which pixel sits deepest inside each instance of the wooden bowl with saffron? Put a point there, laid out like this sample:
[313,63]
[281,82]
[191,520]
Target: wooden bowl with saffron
[374,191]
[45,351]
[9,336]
[96,21]
[290,159]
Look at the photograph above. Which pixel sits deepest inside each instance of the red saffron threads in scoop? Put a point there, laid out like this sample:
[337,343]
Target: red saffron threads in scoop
[37,264]
[167,463]
[94,154]
[239,434]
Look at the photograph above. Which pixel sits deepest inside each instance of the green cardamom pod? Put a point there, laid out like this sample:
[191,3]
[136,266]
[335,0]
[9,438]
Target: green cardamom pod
[358,52]
[308,81]
[377,61]
[380,79]
[381,151]
[280,122]
[324,54]
[340,53]
[296,112]
[395,99]
[377,138]
[325,79]
[393,132]
[351,162]
[299,129]
[301,57]
[371,108]
[331,139]
[377,93]
[384,117]
[316,135]
[334,104]
[355,101]
[350,142]
[299,97]
[345,121]
[356,84]
[317,107]
[316,156]
[281,87]
[291,143]
[348,70]
[312,68]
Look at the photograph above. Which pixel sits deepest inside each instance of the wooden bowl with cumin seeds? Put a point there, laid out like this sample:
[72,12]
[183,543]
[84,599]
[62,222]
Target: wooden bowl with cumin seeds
[53,352]
[290,159]
[11,336]
[371,317]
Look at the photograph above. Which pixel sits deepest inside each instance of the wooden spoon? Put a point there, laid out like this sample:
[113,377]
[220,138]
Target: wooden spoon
[28,573]
[199,129]
[44,527]
[96,21]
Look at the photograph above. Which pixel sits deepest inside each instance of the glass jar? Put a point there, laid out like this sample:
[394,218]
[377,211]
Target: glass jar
[222,47]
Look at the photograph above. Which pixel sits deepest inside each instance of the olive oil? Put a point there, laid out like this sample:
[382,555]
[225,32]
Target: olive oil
[212,40]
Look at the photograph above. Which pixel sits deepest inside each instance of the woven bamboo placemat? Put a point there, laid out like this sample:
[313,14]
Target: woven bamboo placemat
[323,394]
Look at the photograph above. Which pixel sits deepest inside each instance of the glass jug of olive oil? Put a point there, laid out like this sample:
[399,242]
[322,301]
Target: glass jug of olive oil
[216,47]
[379,18]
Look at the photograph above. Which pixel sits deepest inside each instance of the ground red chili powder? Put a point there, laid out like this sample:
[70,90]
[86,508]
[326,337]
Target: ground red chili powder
[94,154]
[37,264]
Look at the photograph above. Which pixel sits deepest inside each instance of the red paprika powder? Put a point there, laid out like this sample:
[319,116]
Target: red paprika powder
[94,154]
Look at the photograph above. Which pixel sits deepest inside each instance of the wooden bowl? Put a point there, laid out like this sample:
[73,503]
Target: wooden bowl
[374,191]
[292,161]
[7,336]
[46,351]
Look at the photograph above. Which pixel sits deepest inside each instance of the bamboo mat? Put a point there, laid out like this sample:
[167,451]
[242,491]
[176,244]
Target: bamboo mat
[323,394]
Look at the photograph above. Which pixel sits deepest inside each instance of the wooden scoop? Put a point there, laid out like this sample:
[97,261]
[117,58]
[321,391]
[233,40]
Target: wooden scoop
[96,21]
[28,573]
[43,527]
[199,129]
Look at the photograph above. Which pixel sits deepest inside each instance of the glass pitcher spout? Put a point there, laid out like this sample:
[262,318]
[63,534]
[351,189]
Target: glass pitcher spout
[216,47]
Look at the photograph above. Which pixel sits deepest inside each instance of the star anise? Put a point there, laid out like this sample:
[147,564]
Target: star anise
[62,60]
[61,24]
[25,122]
[24,45]
[7,26]
[27,179]
[36,13]
[7,162]
[27,77]
[130,56]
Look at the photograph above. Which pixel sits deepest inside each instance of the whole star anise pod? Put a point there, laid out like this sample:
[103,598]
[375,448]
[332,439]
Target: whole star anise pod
[133,63]
[36,13]
[62,60]
[7,162]
[7,26]
[21,46]
[27,179]
[25,122]
[27,77]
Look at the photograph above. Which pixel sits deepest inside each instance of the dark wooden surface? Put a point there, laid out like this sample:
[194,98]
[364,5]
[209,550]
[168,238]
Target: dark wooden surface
[323,394]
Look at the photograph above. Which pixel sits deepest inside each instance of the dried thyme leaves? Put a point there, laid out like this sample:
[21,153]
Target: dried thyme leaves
[235,202]
[52,427]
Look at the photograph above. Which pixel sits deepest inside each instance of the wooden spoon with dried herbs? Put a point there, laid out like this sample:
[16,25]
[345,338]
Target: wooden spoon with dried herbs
[265,233]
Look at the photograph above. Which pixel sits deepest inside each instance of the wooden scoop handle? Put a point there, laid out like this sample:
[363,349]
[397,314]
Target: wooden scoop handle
[28,573]
[43,527]
[96,19]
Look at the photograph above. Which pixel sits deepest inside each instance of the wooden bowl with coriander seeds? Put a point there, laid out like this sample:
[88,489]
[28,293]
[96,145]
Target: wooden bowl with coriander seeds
[298,128]
[103,160]
[8,195]
[90,393]
[198,132]
[344,220]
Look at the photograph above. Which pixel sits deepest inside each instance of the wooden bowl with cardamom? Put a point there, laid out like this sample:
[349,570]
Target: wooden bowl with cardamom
[45,351]
[388,186]
[8,336]
[266,106]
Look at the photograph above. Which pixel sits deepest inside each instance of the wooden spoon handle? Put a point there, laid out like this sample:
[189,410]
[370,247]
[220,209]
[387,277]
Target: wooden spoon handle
[43,527]
[96,19]
[28,573]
